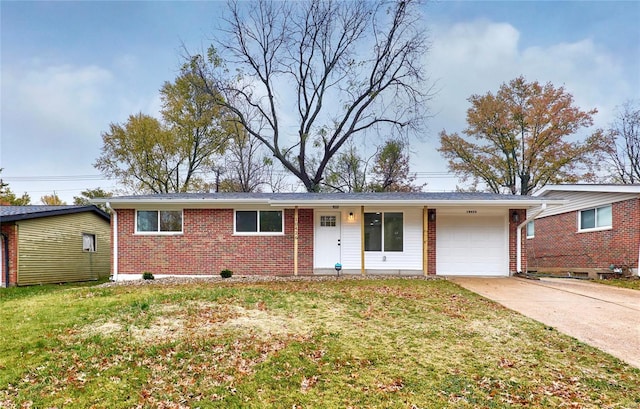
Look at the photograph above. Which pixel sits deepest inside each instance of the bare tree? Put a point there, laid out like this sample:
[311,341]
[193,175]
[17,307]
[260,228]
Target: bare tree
[247,168]
[391,171]
[347,171]
[624,142]
[352,68]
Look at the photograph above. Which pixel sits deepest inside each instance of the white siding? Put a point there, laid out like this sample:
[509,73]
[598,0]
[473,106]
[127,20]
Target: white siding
[409,259]
[351,240]
[582,200]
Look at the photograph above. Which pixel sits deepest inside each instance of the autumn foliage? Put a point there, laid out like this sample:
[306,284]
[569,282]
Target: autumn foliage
[522,138]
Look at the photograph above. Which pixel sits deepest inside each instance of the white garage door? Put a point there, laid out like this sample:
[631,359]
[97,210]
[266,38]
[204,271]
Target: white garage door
[472,245]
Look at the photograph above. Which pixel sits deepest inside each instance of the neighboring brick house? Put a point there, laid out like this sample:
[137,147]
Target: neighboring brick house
[53,244]
[308,233]
[595,231]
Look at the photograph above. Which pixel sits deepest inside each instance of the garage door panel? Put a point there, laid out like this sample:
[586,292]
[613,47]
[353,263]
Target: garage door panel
[472,245]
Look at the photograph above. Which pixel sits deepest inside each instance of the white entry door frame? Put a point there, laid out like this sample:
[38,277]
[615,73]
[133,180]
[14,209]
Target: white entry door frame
[327,240]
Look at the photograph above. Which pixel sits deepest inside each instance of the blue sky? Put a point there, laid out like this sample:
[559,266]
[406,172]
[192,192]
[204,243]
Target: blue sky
[68,69]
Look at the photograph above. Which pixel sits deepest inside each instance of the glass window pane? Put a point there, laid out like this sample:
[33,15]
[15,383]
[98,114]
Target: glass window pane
[604,217]
[88,242]
[171,220]
[147,220]
[247,221]
[271,221]
[531,229]
[588,219]
[373,232]
[327,221]
[393,232]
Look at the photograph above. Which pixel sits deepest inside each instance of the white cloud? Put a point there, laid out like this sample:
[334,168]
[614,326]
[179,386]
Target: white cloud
[476,57]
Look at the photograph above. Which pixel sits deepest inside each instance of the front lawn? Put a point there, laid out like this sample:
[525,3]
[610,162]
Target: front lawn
[632,283]
[386,343]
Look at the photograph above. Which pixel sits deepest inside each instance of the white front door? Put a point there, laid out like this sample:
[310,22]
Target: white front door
[327,239]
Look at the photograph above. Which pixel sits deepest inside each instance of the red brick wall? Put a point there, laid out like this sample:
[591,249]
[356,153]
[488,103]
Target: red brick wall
[558,245]
[513,241]
[208,246]
[431,244]
[11,232]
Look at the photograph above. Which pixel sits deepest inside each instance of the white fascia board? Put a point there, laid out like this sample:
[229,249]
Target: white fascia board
[133,203]
[147,202]
[421,203]
[588,188]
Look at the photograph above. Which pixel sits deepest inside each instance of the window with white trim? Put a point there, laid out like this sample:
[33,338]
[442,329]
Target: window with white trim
[598,218]
[531,229]
[384,231]
[88,242]
[259,221]
[159,221]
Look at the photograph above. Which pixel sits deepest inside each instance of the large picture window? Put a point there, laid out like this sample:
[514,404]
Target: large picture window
[159,221]
[383,231]
[259,221]
[598,218]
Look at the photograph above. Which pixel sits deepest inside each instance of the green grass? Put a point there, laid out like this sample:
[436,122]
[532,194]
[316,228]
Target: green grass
[632,283]
[343,343]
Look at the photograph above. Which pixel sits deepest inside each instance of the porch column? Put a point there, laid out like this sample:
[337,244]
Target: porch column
[295,241]
[362,272]
[425,240]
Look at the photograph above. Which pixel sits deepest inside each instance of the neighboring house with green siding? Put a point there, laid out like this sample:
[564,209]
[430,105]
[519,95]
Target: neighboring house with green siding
[53,244]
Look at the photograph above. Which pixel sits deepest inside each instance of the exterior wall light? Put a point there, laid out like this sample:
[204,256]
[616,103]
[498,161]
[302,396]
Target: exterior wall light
[432,215]
[515,217]
[351,216]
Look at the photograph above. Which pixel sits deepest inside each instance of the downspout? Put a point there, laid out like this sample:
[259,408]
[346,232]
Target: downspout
[114,244]
[519,236]
[5,241]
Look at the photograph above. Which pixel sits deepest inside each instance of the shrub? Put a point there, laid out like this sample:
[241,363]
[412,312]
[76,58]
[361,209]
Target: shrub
[147,276]
[226,273]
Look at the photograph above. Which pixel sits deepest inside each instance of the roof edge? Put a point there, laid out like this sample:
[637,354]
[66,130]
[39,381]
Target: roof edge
[601,188]
[57,212]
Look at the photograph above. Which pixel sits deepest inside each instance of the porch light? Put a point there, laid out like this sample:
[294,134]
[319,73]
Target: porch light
[515,217]
[351,217]
[432,215]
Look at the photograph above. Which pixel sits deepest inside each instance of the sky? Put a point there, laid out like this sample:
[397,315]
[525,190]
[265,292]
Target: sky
[69,69]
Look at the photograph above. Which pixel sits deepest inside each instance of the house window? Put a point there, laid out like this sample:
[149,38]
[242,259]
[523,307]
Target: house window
[159,221]
[259,221]
[531,230]
[383,231]
[598,218]
[88,242]
[328,221]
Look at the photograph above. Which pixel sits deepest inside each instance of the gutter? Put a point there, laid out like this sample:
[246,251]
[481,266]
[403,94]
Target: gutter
[543,207]
[114,241]
[5,241]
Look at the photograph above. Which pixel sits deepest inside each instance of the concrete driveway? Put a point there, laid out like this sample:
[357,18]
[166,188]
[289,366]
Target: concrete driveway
[602,316]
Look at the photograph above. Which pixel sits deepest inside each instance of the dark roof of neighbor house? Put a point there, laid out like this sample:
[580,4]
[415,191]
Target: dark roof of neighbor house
[15,213]
[324,199]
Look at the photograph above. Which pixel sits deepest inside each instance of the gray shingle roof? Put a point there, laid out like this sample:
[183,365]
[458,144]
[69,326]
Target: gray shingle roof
[13,213]
[302,197]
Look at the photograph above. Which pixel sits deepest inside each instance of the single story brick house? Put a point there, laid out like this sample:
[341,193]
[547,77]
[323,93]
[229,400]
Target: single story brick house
[597,230]
[53,244]
[195,234]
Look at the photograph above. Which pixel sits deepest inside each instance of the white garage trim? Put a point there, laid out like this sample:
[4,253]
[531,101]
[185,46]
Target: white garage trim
[472,245]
